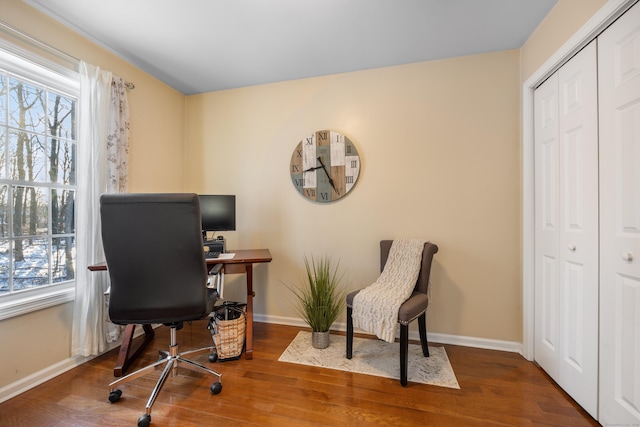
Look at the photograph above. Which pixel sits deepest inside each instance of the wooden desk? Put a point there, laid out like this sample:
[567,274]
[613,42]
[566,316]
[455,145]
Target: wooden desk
[242,262]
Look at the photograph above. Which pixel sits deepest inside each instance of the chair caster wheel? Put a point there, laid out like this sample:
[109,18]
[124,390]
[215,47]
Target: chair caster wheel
[213,357]
[114,396]
[144,420]
[216,388]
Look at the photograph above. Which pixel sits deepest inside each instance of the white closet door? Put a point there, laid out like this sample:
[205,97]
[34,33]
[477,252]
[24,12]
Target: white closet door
[578,309]
[566,162]
[619,68]
[547,229]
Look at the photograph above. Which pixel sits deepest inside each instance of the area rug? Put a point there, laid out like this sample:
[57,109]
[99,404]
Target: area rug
[373,357]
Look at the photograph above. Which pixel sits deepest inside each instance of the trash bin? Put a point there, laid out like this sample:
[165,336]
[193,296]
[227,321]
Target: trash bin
[228,326]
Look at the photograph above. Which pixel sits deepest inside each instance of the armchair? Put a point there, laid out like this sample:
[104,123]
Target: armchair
[414,307]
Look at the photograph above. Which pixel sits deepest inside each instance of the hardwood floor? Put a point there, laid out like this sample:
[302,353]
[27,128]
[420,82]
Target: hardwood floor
[497,389]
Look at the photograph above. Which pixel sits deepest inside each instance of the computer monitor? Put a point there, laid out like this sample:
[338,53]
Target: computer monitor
[218,213]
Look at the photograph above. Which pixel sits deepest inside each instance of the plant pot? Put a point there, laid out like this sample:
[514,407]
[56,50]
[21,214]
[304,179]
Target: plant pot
[320,339]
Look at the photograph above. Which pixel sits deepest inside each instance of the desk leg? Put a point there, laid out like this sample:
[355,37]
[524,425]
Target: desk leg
[124,360]
[250,295]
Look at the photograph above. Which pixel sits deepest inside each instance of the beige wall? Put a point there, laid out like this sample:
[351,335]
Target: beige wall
[38,340]
[439,146]
[34,341]
[562,22]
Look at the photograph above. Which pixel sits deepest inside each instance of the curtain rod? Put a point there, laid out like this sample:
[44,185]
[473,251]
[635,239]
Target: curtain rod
[51,49]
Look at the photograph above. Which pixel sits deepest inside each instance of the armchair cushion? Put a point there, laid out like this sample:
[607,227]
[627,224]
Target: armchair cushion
[409,310]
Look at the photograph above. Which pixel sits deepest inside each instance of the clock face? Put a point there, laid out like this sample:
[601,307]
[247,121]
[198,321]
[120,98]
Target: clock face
[325,166]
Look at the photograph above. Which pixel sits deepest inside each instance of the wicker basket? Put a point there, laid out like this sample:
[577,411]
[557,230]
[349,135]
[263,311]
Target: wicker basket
[229,329]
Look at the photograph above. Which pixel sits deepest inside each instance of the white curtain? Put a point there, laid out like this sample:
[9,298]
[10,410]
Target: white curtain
[103,140]
[118,139]
[117,168]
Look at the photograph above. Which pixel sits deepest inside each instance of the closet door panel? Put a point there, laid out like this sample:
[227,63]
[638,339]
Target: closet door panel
[566,210]
[578,130]
[547,190]
[619,86]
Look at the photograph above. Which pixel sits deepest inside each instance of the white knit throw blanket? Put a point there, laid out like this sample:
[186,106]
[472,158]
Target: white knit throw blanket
[375,308]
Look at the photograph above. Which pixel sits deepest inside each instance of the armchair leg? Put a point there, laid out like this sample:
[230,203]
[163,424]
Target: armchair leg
[404,353]
[349,333]
[422,326]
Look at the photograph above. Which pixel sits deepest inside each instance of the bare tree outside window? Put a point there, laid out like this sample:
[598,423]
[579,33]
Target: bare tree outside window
[37,185]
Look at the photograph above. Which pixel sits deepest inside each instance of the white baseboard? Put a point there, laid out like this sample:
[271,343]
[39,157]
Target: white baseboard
[52,371]
[489,344]
[37,378]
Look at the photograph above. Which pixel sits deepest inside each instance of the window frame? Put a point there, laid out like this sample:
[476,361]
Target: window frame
[43,72]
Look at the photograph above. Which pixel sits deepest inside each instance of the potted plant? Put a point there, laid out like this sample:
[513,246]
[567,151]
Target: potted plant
[321,299]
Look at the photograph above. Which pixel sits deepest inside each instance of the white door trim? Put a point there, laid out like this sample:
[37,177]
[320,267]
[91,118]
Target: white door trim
[589,31]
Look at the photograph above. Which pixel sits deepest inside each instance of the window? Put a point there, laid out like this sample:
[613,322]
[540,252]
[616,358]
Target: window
[38,146]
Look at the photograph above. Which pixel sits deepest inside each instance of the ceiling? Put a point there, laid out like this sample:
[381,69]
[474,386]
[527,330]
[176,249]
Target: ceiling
[199,46]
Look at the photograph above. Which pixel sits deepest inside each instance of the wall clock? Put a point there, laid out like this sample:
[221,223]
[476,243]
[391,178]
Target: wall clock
[325,166]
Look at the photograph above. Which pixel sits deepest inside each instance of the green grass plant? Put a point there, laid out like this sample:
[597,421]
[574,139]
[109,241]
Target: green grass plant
[321,299]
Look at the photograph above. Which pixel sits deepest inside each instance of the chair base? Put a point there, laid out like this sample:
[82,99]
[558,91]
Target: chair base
[171,360]
[404,342]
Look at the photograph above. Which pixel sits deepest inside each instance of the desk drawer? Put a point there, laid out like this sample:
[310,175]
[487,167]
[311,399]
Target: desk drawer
[235,268]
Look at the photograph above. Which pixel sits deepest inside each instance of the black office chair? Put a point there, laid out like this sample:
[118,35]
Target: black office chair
[415,307]
[156,262]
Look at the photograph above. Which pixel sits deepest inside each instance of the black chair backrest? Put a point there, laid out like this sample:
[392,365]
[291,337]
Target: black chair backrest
[155,259]
[422,285]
